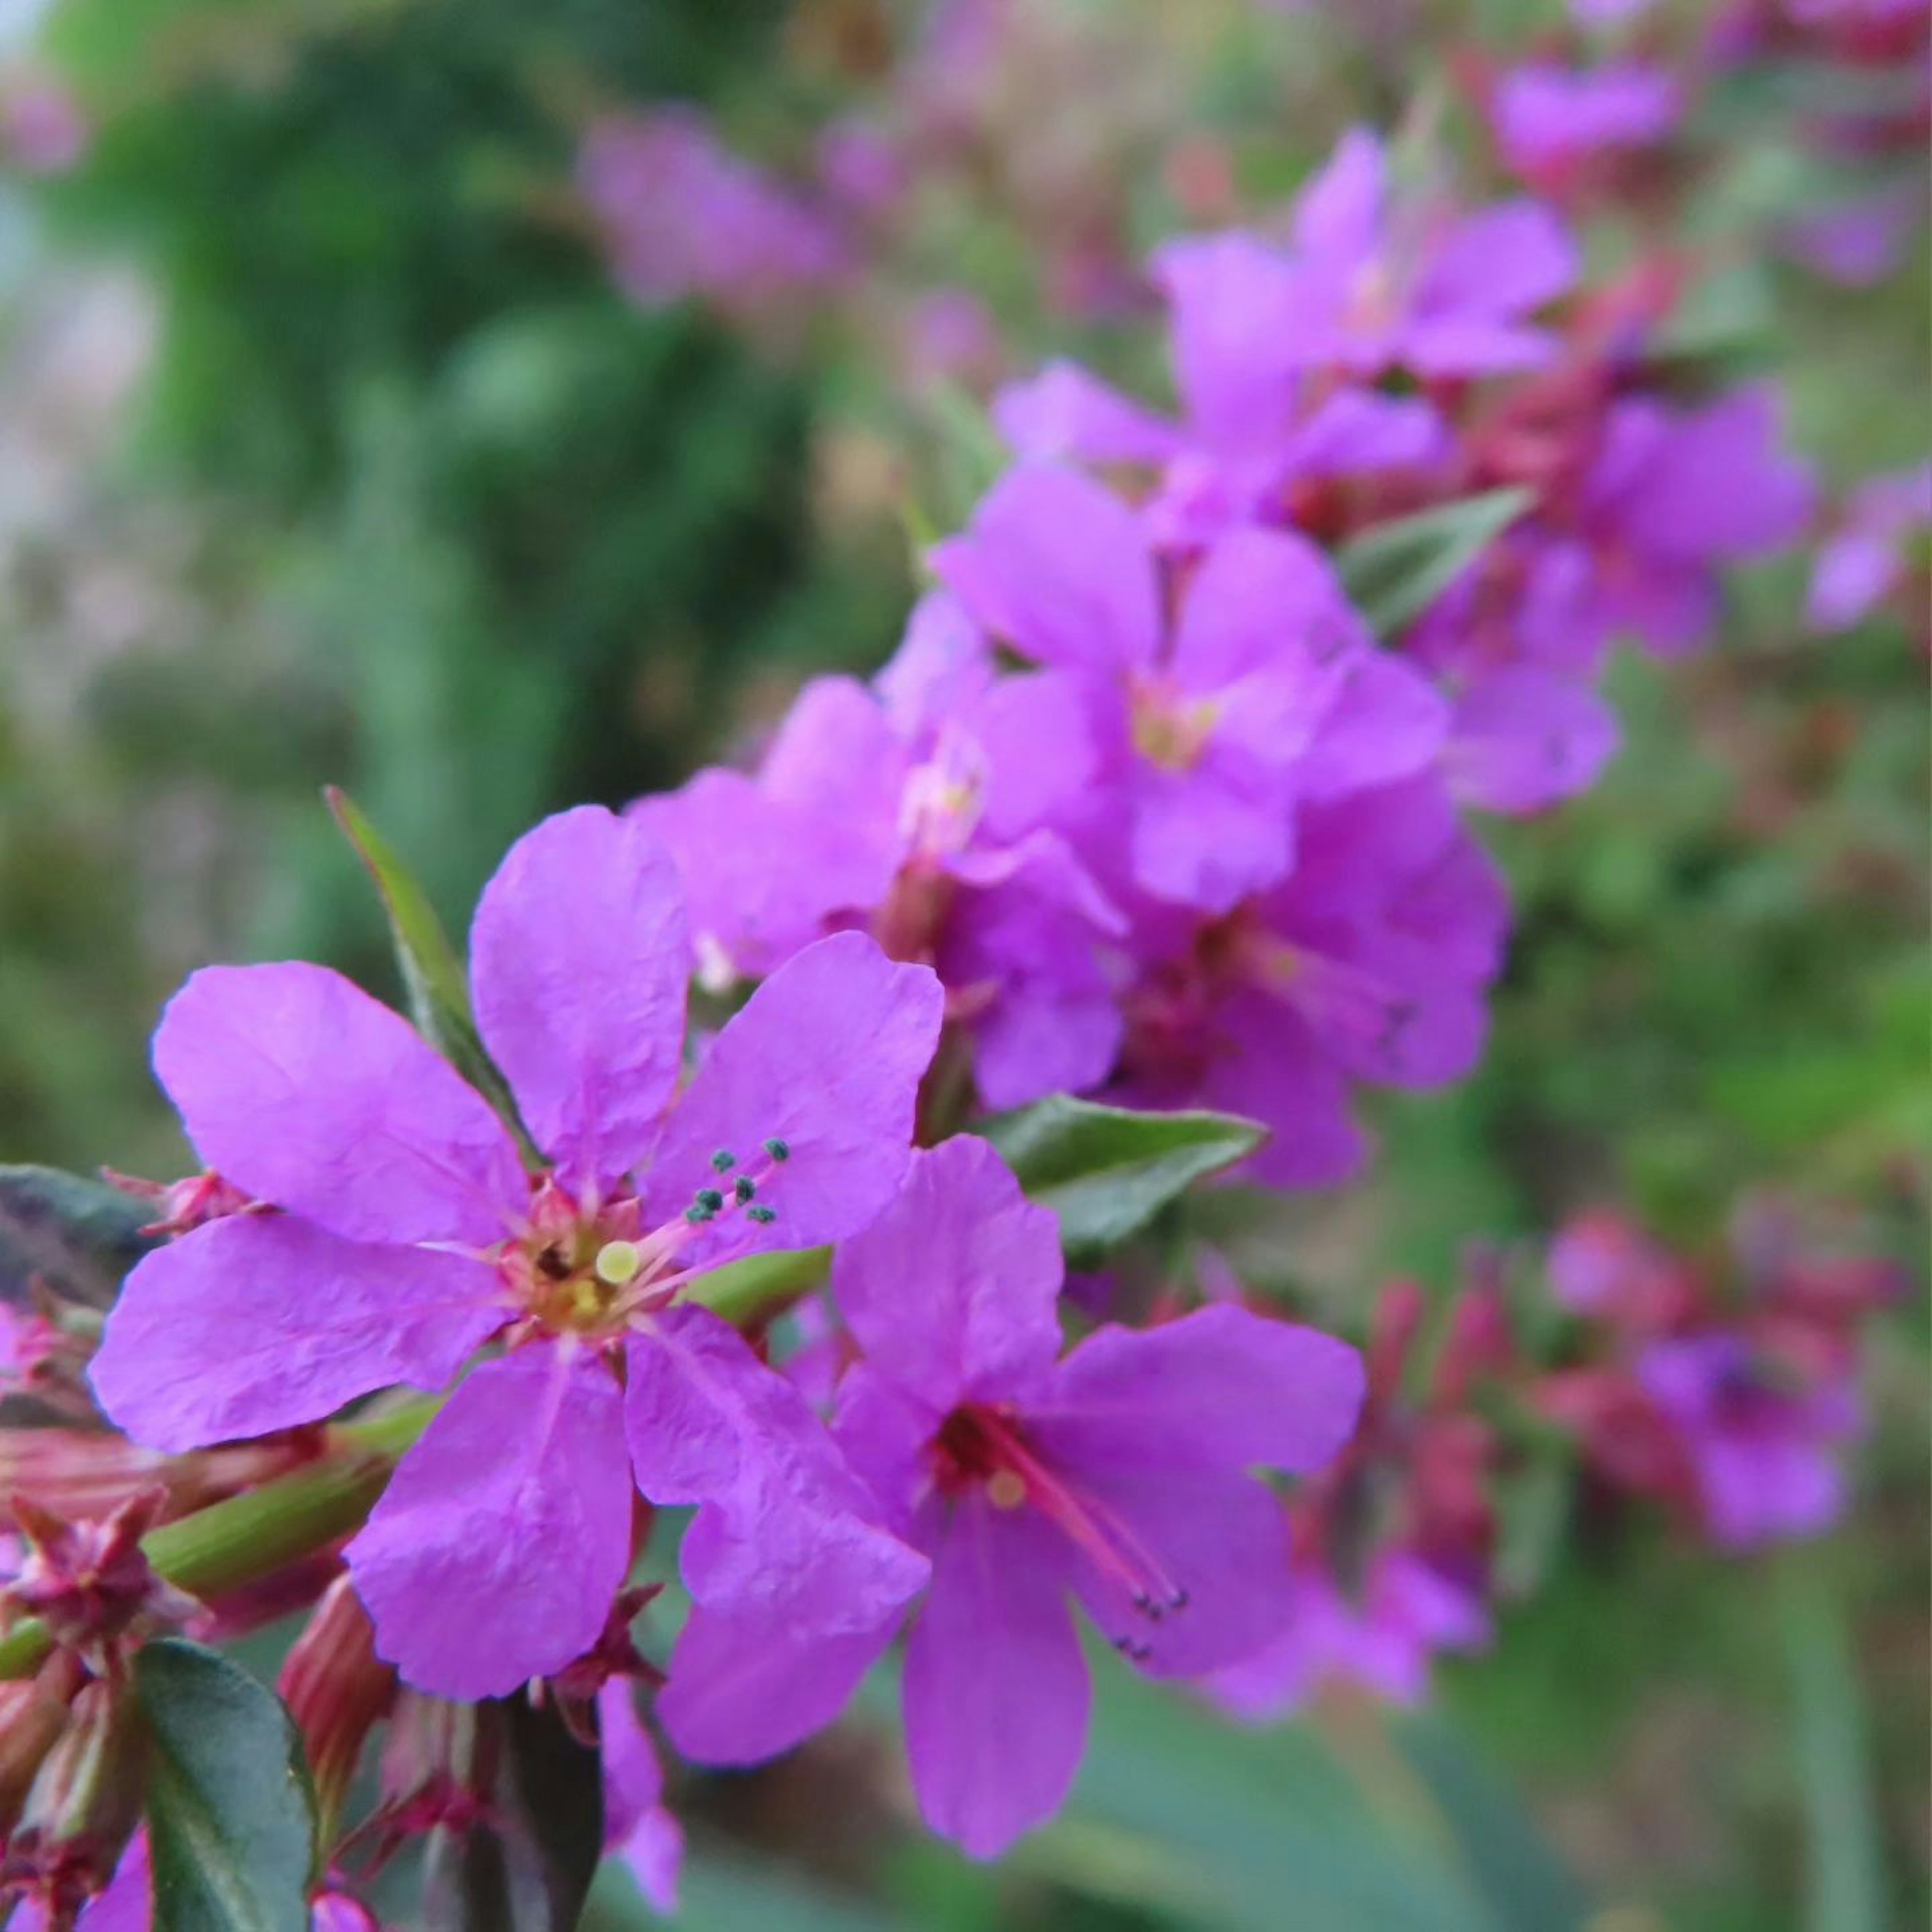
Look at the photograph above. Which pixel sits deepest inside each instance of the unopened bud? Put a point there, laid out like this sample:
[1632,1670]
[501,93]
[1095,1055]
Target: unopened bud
[85,1804]
[92,1584]
[33,1715]
[337,1690]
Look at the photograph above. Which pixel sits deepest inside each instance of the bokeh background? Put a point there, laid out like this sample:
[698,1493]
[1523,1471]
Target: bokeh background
[338,443]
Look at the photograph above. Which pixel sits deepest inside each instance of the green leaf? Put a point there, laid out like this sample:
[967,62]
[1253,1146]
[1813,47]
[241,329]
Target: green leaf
[1395,571]
[1527,1887]
[1845,1887]
[434,980]
[1106,1172]
[528,1868]
[79,1235]
[231,1817]
[1213,1824]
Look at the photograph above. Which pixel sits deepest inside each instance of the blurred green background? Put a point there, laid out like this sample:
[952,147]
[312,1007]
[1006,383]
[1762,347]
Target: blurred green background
[329,452]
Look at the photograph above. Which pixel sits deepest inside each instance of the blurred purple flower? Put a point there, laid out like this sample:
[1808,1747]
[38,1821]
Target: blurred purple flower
[1864,559]
[1250,427]
[1263,690]
[1380,283]
[1369,962]
[1762,1447]
[683,216]
[1548,119]
[1381,1637]
[923,806]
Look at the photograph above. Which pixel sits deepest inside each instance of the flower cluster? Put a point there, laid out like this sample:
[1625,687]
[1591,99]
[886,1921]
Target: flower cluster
[1729,1392]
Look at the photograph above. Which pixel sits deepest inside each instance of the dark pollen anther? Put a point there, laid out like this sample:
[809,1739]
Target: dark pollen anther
[778,1149]
[762,1216]
[724,1160]
[709,1199]
[744,1188]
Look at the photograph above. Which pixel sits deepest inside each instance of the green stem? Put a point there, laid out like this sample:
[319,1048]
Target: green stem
[751,1292]
[232,1542]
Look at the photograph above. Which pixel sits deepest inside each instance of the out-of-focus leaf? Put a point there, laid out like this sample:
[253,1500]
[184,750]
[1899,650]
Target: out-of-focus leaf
[1106,1172]
[1252,1829]
[79,1235]
[1526,1886]
[1395,571]
[433,979]
[231,1816]
[1845,1887]
[528,1867]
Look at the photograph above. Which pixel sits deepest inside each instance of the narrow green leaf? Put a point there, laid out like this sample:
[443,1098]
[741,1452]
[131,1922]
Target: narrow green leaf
[1246,1828]
[1845,1888]
[231,1816]
[78,1234]
[1524,1884]
[528,1867]
[1395,571]
[433,979]
[1106,1172]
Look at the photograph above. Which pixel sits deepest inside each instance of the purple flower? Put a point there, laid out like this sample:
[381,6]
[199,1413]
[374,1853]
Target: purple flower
[683,216]
[1857,240]
[639,1828]
[1550,119]
[1863,561]
[1761,1446]
[1249,429]
[1369,962]
[1633,545]
[1264,691]
[1673,495]
[923,806]
[1380,283]
[1381,1638]
[1119,1475]
[408,1234]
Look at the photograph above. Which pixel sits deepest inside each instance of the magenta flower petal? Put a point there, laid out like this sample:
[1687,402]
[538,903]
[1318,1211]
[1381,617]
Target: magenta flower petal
[1221,1545]
[745,1688]
[579,956]
[1219,1389]
[1281,1077]
[1211,836]
[1524,738]
[1064,412]
[1501,262]
[633,1777]
[1339,211]
[1059,567]
[495,1552]
[1388,722]
[783,1525]
[1267,602]
[257,1322]
[1034,734]
[761,878]
[996,1691]
[303,1091]
[953,1290]
[1232,299]
[837,753]
[826,1060]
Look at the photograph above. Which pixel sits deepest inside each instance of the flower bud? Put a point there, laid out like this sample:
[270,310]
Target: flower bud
[337,1691]
[33,1715]
[85,1804]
